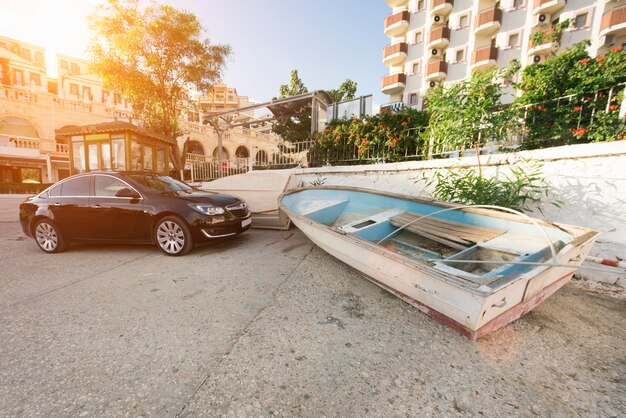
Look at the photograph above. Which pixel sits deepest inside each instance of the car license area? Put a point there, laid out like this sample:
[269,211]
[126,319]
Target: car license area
[246,222]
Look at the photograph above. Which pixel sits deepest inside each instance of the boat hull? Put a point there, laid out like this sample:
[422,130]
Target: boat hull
[473,312]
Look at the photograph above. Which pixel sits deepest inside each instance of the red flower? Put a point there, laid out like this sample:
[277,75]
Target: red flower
[616,49]
[613,107]
[403,123]
[539,107]
[578,108]
[584,61]
[600,59]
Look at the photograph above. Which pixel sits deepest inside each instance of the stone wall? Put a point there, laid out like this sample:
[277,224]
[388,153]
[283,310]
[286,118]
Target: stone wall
[590,179]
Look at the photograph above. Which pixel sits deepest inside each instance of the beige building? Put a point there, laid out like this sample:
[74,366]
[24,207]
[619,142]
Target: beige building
[34,105]
[435,41]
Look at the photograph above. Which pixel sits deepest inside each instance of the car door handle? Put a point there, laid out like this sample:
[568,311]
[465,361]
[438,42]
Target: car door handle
[56,204]
[97,206]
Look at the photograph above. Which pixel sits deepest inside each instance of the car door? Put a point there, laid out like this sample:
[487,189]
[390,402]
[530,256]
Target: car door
[117,218]
[69,204]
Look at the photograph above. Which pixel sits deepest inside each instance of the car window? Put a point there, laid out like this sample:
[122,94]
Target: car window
[55,191]
[107,186]
[160,183]
[76,187]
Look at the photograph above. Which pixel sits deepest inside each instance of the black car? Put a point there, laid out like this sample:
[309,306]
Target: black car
[130,207]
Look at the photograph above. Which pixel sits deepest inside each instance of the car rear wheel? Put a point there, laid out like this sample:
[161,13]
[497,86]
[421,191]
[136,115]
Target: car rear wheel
[48,237]
[172,236]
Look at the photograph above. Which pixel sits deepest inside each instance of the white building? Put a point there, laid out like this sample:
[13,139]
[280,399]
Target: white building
[435,41]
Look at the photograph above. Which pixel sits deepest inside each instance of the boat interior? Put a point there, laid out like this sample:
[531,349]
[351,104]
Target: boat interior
[443,240]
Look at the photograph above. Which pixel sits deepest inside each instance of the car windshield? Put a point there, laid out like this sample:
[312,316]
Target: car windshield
[161,184]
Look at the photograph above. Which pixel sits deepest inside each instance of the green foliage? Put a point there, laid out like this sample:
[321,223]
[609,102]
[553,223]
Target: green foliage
[468,112]
[587,115]
[389,136]
[154,56]
[552,35]
[346,91]
[318,181]
[523,188]
[298,128]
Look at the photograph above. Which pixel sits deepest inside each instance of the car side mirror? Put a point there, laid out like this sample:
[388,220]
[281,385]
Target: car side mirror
[127,192]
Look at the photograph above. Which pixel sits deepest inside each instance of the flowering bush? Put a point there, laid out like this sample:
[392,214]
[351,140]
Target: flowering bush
[390,136]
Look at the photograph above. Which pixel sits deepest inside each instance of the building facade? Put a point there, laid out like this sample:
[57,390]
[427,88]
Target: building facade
[34,105]
[443,41]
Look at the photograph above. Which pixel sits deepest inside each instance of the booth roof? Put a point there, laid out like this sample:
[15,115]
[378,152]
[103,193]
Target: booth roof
[112,127]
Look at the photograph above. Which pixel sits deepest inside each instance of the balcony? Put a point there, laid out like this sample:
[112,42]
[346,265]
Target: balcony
[485,57]
[547,6]
[397,24]
[543,42]
[441,7]
[436,70]
[439,37]
[393,84]
[613,22]
[27,147]
[395,54]
[397,3]
[488,21]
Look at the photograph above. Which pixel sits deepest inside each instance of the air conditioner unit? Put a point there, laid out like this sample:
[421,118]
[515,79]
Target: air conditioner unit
[538,59]
[436,52]
[543,19]
[437,19]
[433,84]
[609,40]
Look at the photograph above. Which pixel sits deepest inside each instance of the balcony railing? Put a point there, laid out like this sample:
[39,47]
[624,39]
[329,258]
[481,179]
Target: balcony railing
[547,6]
[44,146]
[397,24]
[613,20]
[441,6]
[484,56]
[394,83]
[395,54]
[20,94]
[439,37]
[436,70]
[488,20]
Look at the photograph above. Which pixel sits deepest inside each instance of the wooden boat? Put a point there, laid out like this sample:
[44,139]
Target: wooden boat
[473,269]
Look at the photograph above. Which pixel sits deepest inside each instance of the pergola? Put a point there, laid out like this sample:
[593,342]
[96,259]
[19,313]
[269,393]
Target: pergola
[314,103]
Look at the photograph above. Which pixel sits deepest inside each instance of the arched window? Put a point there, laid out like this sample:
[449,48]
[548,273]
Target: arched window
[14,126]
[224,153]
[242,152]
[195,147]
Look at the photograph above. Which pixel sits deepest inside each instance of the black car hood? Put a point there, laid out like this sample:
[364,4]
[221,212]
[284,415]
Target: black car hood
[197,196]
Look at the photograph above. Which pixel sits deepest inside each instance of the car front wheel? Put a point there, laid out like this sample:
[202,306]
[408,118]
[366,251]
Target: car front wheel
[48,237]
[172,236]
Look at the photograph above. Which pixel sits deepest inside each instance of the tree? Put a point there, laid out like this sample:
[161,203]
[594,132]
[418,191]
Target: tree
[298,128]
[154,56]
[346,91]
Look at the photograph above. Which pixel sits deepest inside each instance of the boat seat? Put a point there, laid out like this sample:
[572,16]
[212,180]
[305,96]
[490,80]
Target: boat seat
[452,234]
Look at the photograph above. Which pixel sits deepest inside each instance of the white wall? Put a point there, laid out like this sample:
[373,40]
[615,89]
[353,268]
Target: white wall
[589,178]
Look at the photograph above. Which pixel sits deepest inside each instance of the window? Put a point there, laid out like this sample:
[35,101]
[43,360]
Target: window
[415,68]
[36,79]
[26,54]
[78,153]
[161,160]
[581,21]
[74,89]
[74,69]
[463,21]
[135,156]
[93,156]
[413,99]
[418,37]
[518,4]
[117,98]
[420,5]
[18,77]
[106,186]
[105,96]
[87,93]
[148,157]
[63,65]
[76,187]
[459,55]
[513,41]
[119,154]
[105,155]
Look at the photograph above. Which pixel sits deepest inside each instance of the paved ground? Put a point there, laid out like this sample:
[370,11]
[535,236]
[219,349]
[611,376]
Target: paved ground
[268,324]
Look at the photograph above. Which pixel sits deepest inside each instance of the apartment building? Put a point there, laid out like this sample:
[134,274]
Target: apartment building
[34,105]
[444,41]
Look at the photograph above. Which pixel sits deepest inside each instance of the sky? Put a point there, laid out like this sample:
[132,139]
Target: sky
[327,41]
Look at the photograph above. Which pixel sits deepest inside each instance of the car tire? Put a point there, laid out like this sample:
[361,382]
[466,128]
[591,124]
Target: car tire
[48,236]
[172,236]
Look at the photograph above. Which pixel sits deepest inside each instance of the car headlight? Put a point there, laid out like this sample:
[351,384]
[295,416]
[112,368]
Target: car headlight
[207,209]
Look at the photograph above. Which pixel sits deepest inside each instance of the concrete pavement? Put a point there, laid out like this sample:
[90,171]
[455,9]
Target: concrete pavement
[269,325]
